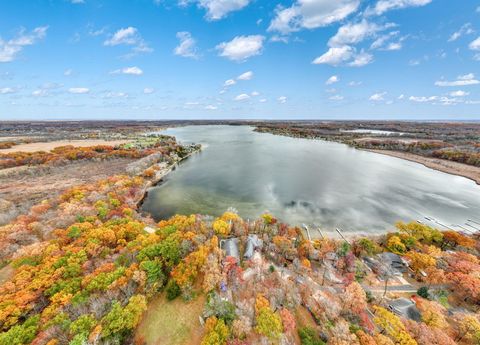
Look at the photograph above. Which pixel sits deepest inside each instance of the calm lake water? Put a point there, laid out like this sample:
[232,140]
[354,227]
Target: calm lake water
[306,181]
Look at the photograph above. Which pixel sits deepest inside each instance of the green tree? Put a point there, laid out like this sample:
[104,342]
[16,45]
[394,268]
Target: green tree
[21,334]
[269,324]
[83,325]
[119,321]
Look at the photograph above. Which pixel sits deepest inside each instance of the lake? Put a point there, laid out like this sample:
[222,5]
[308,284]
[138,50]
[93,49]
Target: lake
[306,181]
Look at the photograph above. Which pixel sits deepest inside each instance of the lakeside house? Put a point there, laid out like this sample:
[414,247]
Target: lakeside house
[405,308]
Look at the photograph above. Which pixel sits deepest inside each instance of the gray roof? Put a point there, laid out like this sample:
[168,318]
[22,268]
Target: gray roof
[253,242]
[405,308]
[230,246]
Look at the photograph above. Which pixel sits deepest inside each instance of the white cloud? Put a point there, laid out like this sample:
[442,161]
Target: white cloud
[282,99]
[466,29]
[475,45]
[341,50]
[402,96]
[255,94]
[211,107]
[68,72]
[378,97]
[128,36]
[361,59]
[335,56]
[245,76]
[218,9]
[148,90]
[263,100]
[77,1]
[383,6]
[187,45]
[40,93]
[336,98]
[241,47]
[394,46]
[11,48]
[6,90]
[229,82]
[459,93]
[311,14]
[131,37]
[241,97]
[462,80]
[354,33]
[134,70]
[354,83]
[332,80]
[422,99]
[112,94]
[436,100]
[79,90]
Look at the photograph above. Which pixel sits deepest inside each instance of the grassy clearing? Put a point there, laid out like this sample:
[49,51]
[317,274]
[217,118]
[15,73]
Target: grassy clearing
[6,273]
[172,322]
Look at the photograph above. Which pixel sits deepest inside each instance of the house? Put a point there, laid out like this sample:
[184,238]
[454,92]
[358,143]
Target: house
[405,308]
[253,243]
[387,264]
[230,247]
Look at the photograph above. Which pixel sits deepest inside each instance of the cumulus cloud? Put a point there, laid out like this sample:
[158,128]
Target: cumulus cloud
[475,45]
[335,56]
[336,98]
[241,97]
[466,29]
[148,90]
[353,33]
[211,107]
[341,50]
[187,47]
[131,37]
[422,99]
[10,49]
[229,82]
[361,59]
[134,70]
[459,93]
[79,90]
[245,76]
[437,100]
[462,80]
[311,14]
[241,47]
[332,80]
[378,97]
[282,99]
[255,93]
[383,6]
[218,9]
[6,90]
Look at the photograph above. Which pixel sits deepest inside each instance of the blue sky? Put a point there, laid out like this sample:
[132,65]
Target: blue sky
[217,59]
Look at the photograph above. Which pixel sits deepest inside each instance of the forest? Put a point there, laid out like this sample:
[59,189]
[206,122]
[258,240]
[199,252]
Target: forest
[84,267]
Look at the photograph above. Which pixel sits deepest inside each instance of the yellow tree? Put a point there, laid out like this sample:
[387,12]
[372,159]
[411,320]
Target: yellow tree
[393,327]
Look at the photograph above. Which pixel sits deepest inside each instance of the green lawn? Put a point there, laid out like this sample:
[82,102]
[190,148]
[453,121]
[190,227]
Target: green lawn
[172,322]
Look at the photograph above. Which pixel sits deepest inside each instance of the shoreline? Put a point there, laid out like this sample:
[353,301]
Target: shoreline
[448,167]
[160,175]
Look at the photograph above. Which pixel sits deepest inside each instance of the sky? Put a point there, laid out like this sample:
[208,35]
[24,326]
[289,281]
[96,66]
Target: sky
[240,59]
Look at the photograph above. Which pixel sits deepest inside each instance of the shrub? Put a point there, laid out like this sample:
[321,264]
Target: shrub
[423,292]
[309,337]
[172,290]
